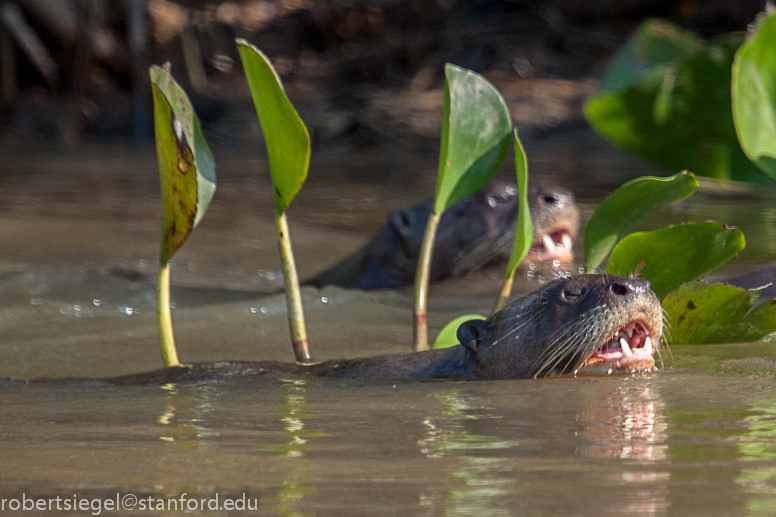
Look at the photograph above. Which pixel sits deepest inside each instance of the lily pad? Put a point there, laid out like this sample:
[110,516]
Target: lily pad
[286,137]
[754,96]
[186,165]
[448,337]
[702,313]
[476,130]
[617,214]
[675,255]
[524,231]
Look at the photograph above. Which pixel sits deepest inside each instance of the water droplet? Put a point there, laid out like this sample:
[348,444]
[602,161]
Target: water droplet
[173,306]
[254,310]
[324,299]
[263,310]
[36,301]
[129,311]
[96,302]
[143,263]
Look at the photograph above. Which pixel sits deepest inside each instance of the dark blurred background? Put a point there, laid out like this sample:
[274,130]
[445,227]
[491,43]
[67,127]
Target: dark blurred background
[359,71]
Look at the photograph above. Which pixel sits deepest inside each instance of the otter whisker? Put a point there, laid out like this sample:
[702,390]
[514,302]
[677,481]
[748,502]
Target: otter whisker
[552,355]
[575,344]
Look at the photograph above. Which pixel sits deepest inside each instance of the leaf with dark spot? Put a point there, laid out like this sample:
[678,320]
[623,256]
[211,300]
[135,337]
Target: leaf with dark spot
[181,149]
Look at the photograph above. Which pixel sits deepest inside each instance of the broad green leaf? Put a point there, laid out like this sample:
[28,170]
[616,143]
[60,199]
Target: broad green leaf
[476,130]
[754,96]
[700,313]
[679,115]
[448,337]
[524,232]
[286,137]
[186,167]
[675,255]
[654,43]
[617,214]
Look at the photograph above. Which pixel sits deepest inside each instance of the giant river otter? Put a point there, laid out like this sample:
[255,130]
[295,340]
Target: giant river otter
[472,234]
[600,324]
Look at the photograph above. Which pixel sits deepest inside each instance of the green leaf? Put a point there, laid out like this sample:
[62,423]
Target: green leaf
[186,167]
[286,137]
[679,115]
[655,42]
[448,337]
[754,96]
[476,130]
[524,231]
[701,313]
[617,214]
[675,255]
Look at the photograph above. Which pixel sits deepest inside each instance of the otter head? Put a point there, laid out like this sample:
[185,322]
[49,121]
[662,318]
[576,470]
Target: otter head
[592,324]
[478,231]
[484,216]
[556,222]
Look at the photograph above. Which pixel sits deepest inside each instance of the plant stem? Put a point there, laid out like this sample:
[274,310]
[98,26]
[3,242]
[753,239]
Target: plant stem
[419,323]
[506,290]
[169,355]
[293,294]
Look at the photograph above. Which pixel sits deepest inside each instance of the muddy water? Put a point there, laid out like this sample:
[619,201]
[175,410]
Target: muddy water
[695,438]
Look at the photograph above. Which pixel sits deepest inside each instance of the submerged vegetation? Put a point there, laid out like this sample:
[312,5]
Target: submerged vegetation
[655,102]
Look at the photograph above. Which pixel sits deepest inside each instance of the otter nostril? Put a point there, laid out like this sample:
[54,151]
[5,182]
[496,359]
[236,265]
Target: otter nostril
[619,288]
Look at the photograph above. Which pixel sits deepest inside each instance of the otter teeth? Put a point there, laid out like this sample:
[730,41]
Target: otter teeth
[566,240]
[549,244]
[648,345]
[626,351]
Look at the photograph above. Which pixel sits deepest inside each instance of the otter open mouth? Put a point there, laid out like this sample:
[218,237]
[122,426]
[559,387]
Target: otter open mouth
[630,349]
[556,245]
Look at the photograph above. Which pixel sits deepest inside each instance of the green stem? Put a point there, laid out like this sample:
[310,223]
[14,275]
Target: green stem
[419,323]
[169,355]
[506,291]
[293,294]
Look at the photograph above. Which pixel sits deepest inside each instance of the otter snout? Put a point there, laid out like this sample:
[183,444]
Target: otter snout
[629,286]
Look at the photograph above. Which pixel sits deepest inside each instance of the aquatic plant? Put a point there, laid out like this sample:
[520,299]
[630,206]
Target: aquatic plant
[288,149]
[618,213]
[476,129]
[754,95]
[672,256]
[188,182]
[448,336]
[524,229]
[700,313]
[667,97]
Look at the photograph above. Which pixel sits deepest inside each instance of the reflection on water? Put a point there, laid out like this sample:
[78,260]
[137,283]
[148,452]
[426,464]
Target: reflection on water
[294,412]
[626,424]
[758,448]
[484,474]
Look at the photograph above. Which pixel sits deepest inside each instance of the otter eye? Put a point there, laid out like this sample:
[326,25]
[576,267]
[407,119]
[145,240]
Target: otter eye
[508,194]
[549,199]
[571,294]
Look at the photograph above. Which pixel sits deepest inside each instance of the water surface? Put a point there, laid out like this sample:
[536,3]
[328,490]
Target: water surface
[695,438]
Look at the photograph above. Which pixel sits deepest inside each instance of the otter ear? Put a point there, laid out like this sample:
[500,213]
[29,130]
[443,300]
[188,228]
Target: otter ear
[471,333]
